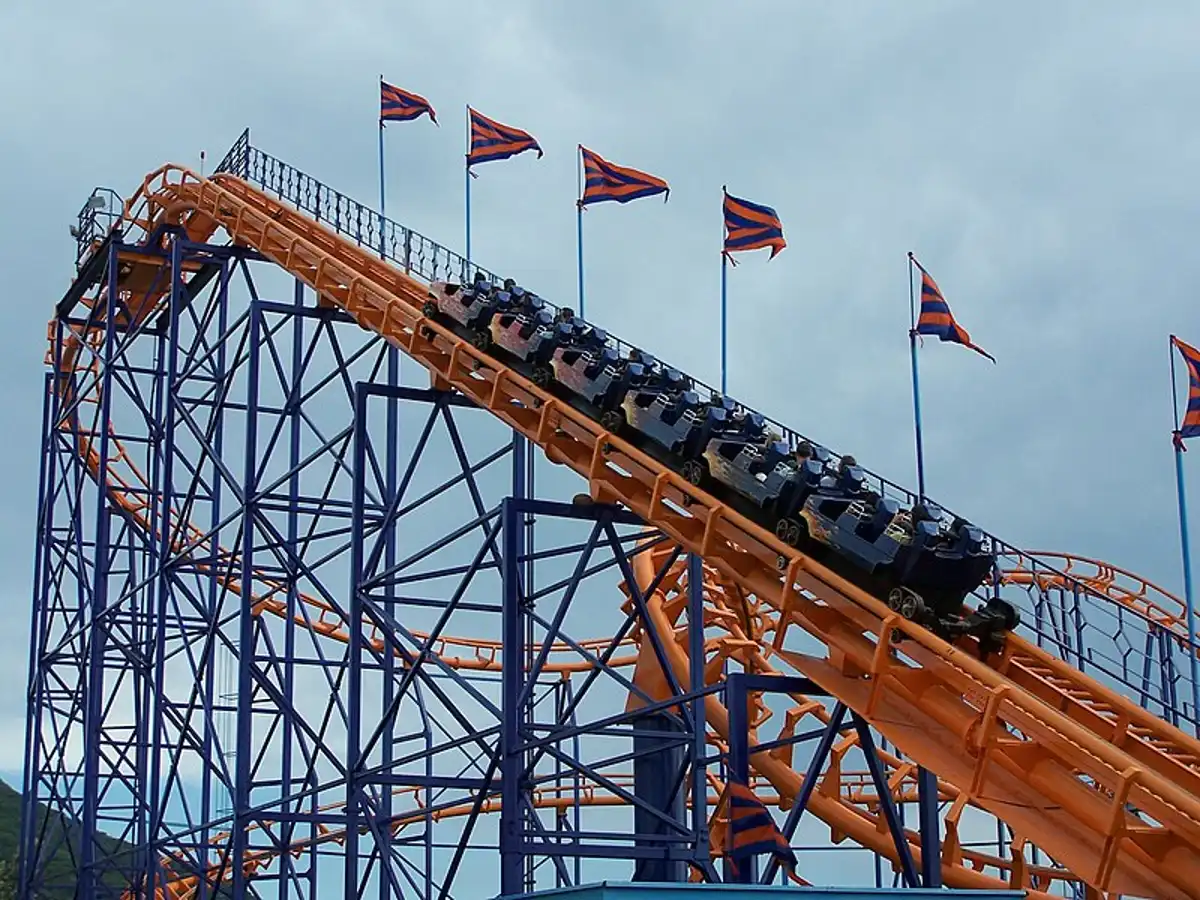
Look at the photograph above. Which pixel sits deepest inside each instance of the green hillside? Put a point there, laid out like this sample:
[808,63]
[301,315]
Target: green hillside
[10,830]
[59,872]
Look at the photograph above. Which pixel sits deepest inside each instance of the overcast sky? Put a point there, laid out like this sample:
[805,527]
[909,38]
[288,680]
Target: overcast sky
[1039,158]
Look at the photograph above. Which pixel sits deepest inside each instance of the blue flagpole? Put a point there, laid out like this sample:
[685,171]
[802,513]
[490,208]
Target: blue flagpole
[382,190]
[916,382]
[579,230]
[724,321]
[468,176]
[382,182]
[1185,546]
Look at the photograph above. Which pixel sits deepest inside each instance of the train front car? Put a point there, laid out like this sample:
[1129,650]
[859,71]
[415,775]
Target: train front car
[937,570]
[924,570]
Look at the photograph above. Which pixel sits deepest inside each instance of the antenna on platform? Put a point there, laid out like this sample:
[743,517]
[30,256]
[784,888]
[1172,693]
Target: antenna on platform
[201,163]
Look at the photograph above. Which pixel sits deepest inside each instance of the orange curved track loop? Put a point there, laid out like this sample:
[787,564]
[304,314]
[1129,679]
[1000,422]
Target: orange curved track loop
[1106,580]
[1032,741]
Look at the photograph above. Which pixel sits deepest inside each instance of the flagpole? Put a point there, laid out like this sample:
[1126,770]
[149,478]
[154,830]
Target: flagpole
[916,382]
[579,228]
[724,323]
[1185,546]
[466,275]
[382,184]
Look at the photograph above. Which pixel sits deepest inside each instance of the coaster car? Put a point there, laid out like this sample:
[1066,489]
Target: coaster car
[524,327]
[471,306]
[670,413]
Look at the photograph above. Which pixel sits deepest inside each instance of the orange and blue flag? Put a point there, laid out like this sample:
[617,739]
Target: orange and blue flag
[490,140]
[1190,427]
[752,830]
[607,181]
[397,105]
[936,318]
[750,226]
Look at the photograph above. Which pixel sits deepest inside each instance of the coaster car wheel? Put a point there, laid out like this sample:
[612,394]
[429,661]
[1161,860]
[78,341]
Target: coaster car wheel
[906,602]
[612,420]
[789,531]
[694,471]
[543,376]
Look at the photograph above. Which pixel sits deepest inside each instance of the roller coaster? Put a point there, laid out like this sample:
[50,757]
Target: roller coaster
[271,650]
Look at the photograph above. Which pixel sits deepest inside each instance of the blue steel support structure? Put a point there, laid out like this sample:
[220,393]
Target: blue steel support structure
[739,687]
[540,745]
[277,659]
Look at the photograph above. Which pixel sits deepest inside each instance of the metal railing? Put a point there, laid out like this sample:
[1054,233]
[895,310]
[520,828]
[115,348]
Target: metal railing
[99,213]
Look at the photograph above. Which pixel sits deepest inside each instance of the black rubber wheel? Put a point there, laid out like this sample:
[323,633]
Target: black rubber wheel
[482,340]
[1007,612]
[429,309]
[911,606]
[693,471]
[895,598]
[543,376]
[789,531]
[612,420]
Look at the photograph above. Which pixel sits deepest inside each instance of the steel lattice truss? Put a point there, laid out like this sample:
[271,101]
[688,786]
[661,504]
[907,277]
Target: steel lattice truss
[268,650]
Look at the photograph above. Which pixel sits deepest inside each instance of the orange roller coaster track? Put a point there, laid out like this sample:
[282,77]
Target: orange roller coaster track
[1104,787]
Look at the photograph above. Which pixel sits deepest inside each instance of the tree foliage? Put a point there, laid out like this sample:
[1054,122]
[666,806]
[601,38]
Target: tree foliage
[8,879]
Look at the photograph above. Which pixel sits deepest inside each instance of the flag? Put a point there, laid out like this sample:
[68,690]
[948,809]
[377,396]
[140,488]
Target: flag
[490,140]
[396,105]
[606,181]
[751,226]
[936,318]
[752,830]
[1191,419]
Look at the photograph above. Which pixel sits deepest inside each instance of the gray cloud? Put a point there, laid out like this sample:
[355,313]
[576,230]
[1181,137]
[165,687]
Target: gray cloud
[1037,157]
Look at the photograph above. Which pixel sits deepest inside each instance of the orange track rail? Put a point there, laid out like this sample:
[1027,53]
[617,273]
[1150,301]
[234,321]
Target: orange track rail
[1017,740]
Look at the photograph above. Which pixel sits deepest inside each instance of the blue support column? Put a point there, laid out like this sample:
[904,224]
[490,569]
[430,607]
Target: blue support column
[294,424]
[162,587]
[211,785]
[737,700]
[355,651]
[246,644]
[93,686]
[931,831]
[513,792]
[657,765]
